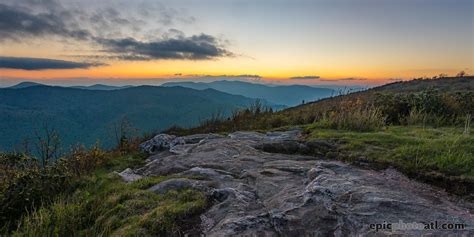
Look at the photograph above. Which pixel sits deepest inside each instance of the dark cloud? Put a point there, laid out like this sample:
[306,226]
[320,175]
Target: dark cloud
[20,21]
[42,64]
[245,76]
[305,78]
[24,19]
[208,78]
[16,23]
[196,47]
[241,76]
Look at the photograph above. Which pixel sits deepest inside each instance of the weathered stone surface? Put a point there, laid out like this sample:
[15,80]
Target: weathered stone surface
[178,145]
[207,173]
[179,183]
[129,176]
[159,142]
[196,138]
[256,193]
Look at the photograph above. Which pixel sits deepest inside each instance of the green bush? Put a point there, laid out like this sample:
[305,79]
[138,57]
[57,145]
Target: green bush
[25,184]
[428,107]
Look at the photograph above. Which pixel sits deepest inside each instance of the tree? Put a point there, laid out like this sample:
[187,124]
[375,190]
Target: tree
[124,132]
[256,107]
[47,144]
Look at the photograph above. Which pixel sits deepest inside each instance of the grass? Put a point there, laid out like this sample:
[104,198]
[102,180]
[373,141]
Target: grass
[412,149]
[360,119]
[127,160]
[104,205]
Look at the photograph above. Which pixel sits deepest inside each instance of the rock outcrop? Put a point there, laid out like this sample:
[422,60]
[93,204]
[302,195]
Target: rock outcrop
[162,142]
[257,193]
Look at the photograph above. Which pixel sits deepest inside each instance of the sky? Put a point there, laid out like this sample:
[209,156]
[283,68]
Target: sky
[315,42]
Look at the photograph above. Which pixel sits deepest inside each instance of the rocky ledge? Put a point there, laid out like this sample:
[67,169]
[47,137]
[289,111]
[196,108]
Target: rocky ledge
[256,193]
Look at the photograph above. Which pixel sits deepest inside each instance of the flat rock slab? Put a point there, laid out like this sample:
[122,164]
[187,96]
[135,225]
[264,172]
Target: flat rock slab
[256,193]
[179,183]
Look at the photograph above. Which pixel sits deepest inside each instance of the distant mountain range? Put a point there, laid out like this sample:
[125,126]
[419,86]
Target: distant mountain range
[287,95]
[101,87]
[290,95]
[92,87]
[25,84]
[87,115]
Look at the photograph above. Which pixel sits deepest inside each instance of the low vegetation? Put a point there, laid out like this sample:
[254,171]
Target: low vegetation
[105,205]
[79,195]
[361,118]
[26,184]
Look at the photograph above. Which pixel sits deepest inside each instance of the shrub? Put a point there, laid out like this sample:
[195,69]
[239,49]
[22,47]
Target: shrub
[81,161]
[428,107]
[26,184]
[414,117]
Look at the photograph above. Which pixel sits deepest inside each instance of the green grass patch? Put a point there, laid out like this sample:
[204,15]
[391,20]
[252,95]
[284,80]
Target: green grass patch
[412,149]
[129,160]
[104,205]
[148,182]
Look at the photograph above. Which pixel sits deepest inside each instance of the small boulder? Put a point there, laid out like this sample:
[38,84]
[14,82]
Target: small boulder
[159,142]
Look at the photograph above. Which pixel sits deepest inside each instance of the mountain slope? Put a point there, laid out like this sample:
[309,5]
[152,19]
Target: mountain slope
[101,87]
[25,84]
[450,85]
[287,95]
[453,84]
[85,116]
